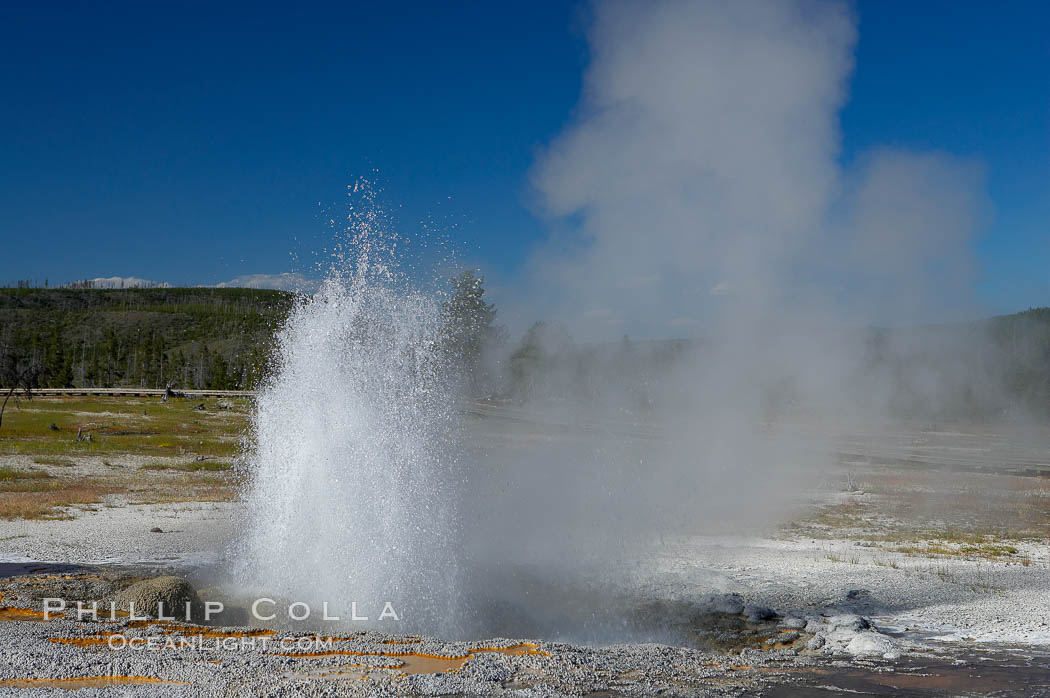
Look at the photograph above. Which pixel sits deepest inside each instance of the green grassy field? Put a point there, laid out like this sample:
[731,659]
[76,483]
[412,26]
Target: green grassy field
[62,453]
[121,425]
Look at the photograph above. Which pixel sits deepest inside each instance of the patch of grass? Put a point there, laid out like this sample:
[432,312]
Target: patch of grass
[939,548]
[48,498]
[929,549]
[214,494]
[191,487]
[51,498]
[52,460]
[887,563]
[189,466]
[9,476]
[988,550]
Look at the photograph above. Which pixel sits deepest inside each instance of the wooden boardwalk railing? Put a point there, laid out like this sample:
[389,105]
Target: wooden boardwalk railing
[134,392]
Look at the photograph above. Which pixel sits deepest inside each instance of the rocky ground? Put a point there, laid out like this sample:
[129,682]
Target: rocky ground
[761,615]
[766,652]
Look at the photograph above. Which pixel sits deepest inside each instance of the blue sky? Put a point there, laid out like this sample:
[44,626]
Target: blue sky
[193,146]
[974,80]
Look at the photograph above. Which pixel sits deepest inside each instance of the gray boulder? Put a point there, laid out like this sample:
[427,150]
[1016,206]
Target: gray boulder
[726,604]
[869,643]
[848,621]
[815,626]
[161,595]
[792,623]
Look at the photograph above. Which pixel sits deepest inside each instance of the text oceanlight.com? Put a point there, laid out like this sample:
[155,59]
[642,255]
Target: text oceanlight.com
[221,644]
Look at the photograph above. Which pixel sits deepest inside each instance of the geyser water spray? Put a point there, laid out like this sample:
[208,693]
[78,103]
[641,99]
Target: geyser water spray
[352,468]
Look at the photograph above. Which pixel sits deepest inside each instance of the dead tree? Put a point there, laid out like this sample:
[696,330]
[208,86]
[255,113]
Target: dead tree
[24,380]
[170,392]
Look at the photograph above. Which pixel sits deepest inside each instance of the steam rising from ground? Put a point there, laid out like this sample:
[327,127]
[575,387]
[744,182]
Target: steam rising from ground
[703,194]
[705,174]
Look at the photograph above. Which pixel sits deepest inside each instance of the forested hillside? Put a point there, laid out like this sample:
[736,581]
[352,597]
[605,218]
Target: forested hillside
[222,338]
[193,337]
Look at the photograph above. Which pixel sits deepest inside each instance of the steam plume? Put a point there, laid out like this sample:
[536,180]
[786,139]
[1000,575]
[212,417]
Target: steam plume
[705,170]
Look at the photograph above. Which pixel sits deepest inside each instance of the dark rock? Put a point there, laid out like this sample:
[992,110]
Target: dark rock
[727,604]
[757,614]
[156,529]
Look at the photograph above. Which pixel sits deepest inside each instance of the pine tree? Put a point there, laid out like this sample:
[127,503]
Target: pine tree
[469,325]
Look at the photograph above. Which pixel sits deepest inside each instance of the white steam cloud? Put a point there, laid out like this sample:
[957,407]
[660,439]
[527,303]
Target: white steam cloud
[705,167]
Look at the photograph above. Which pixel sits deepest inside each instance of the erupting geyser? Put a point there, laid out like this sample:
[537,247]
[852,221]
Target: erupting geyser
[349,490]
[363,490]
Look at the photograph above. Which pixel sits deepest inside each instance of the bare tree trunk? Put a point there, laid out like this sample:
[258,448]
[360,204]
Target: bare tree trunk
[26,380]
[7,397]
